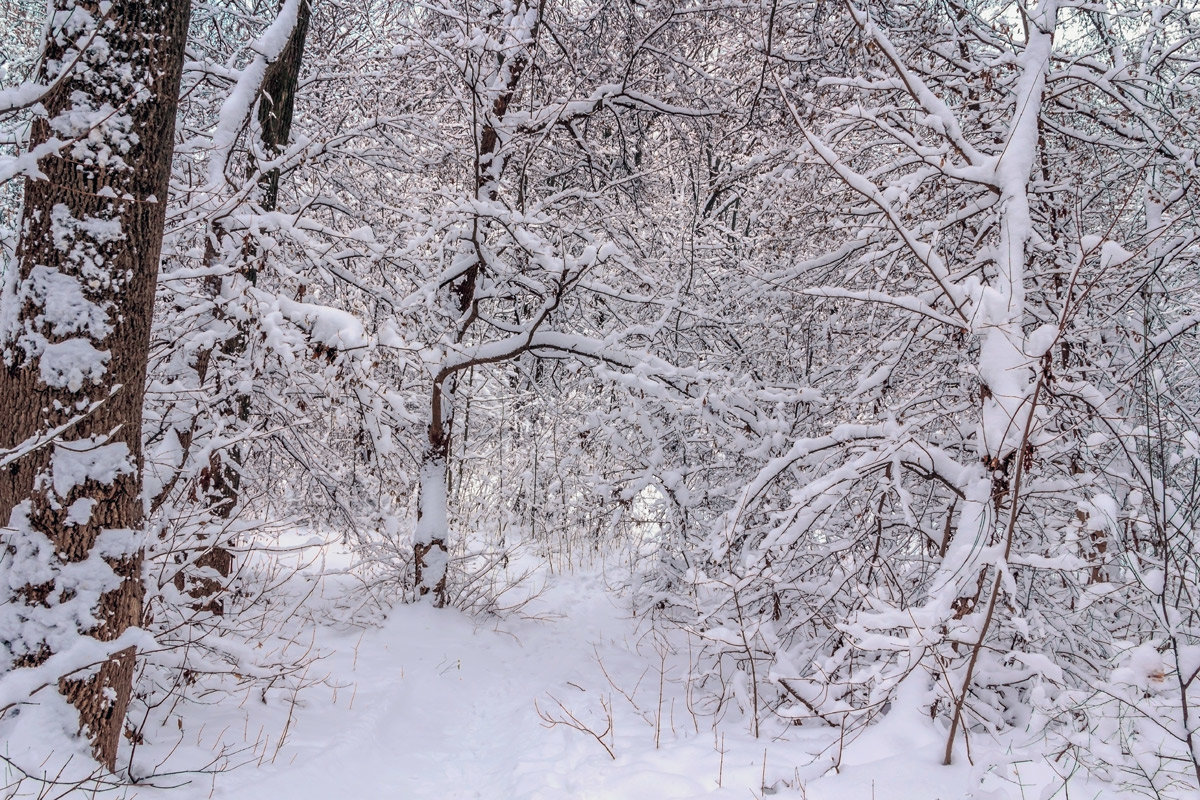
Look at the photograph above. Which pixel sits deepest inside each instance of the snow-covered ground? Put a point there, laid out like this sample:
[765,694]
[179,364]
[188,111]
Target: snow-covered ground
[436,704]
[574,698]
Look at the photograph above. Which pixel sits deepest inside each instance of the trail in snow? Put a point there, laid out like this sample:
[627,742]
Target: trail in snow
[443,707]
[435,704]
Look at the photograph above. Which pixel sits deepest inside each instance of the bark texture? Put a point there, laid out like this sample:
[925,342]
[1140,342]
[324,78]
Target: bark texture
[75,354]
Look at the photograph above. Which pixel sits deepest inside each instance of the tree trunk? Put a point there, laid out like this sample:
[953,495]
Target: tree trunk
[429,545]
[76,344]
[222,478]
[278,104]
[430,555]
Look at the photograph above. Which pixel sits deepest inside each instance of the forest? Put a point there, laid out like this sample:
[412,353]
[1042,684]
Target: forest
[622,399]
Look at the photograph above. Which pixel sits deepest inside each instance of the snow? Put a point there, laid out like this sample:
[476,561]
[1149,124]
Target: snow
[332,327]
[446,706]
[88,459]
[435,704]
[433,522]
[22,95]
[64,306]
[80,511]
[72,363]
[1038,343]
[855,500]
[1143,668]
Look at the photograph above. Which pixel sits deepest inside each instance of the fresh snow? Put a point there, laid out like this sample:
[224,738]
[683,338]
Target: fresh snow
[435,704]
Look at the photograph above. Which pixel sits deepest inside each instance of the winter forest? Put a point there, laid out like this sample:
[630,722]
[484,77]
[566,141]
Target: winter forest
[611,399]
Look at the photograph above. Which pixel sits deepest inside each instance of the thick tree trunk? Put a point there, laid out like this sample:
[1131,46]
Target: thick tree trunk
[75,349]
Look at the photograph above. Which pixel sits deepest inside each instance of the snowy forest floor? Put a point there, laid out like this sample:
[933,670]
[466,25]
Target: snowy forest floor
[573,698]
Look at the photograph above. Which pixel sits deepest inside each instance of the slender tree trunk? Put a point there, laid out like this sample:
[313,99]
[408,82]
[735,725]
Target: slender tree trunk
[277,106]
[77,341]
[1010,379]
[222,478]
[430,555]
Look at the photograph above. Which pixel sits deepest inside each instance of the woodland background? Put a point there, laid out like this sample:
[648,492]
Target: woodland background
[861,333]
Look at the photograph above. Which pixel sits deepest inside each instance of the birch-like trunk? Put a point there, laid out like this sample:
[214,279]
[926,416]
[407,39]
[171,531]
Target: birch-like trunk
[429,541]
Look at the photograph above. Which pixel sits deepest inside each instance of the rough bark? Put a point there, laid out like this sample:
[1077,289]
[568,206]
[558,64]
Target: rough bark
[91,236]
